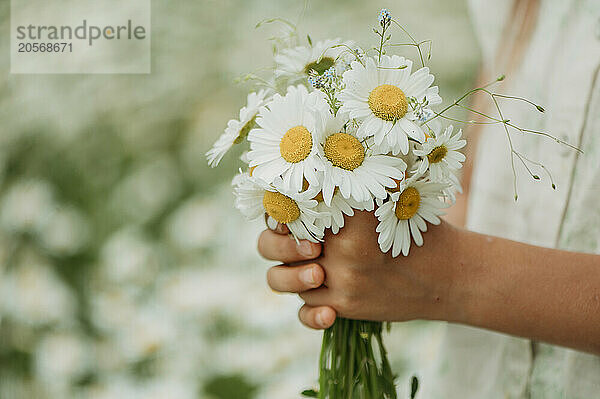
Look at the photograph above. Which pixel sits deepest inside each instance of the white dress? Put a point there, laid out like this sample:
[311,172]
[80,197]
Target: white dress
[560,70]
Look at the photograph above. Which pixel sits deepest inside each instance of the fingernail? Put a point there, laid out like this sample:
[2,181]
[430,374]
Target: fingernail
[308,276]
[319,320]
[305,248]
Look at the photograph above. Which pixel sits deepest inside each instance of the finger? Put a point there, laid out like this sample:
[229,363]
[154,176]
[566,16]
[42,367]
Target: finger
[282,229]
[317,297]
[319,318]
[295,278]
[278,247]
[279,228]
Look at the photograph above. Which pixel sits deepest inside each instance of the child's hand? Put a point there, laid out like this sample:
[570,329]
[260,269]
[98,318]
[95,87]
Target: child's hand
[352,278]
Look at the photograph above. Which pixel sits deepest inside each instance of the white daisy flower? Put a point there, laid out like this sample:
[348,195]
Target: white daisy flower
[254,198]
[284,146]
[359,172]
[406,213]
[333,215]
[453,187]
[237,130]
[295,63]
[440,154]
[384,97]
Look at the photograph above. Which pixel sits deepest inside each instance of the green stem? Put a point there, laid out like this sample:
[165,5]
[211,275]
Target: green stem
[353,362]
[350,374]
[417,44]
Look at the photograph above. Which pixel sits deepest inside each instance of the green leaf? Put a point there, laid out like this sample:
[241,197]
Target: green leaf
[310,393]
[309,40]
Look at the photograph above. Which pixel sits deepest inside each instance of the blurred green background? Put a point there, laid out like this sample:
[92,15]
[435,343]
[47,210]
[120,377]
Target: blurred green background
[125,272]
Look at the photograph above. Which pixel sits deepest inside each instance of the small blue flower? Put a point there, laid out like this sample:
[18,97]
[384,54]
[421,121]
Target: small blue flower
[329,74]
[424,114]
[316,81]
[385,18]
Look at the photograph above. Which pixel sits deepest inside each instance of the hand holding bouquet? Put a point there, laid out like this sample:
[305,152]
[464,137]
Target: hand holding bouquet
[336,130]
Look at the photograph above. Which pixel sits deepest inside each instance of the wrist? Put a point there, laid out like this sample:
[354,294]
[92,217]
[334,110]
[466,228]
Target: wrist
[447,263]
[465,277]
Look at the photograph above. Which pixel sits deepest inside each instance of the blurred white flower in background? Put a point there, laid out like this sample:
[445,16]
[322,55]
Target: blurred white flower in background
[65,232]
[26,206]
[129,257]
[129,388]
[193,224]
[112,308]
[261,356]
[202,291]
[287,386]
[262,309]
[34,294]
[60,359]
[147,189]
[117,386]
[150,331]
[172,388]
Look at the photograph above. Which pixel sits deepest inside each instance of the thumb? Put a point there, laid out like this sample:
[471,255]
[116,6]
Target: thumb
[276,227]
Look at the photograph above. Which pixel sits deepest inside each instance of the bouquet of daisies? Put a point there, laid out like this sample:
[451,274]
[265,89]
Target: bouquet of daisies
[338,129]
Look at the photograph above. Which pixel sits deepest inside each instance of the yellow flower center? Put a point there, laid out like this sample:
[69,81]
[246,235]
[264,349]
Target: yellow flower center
[437,154]
[344,151]
[388,102]
[280,207]
[296,144]
[408,203]
[321,66]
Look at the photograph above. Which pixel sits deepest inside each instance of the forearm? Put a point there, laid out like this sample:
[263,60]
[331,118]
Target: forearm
[528,291]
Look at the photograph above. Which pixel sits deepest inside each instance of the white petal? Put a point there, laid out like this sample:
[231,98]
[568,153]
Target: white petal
[416,233]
